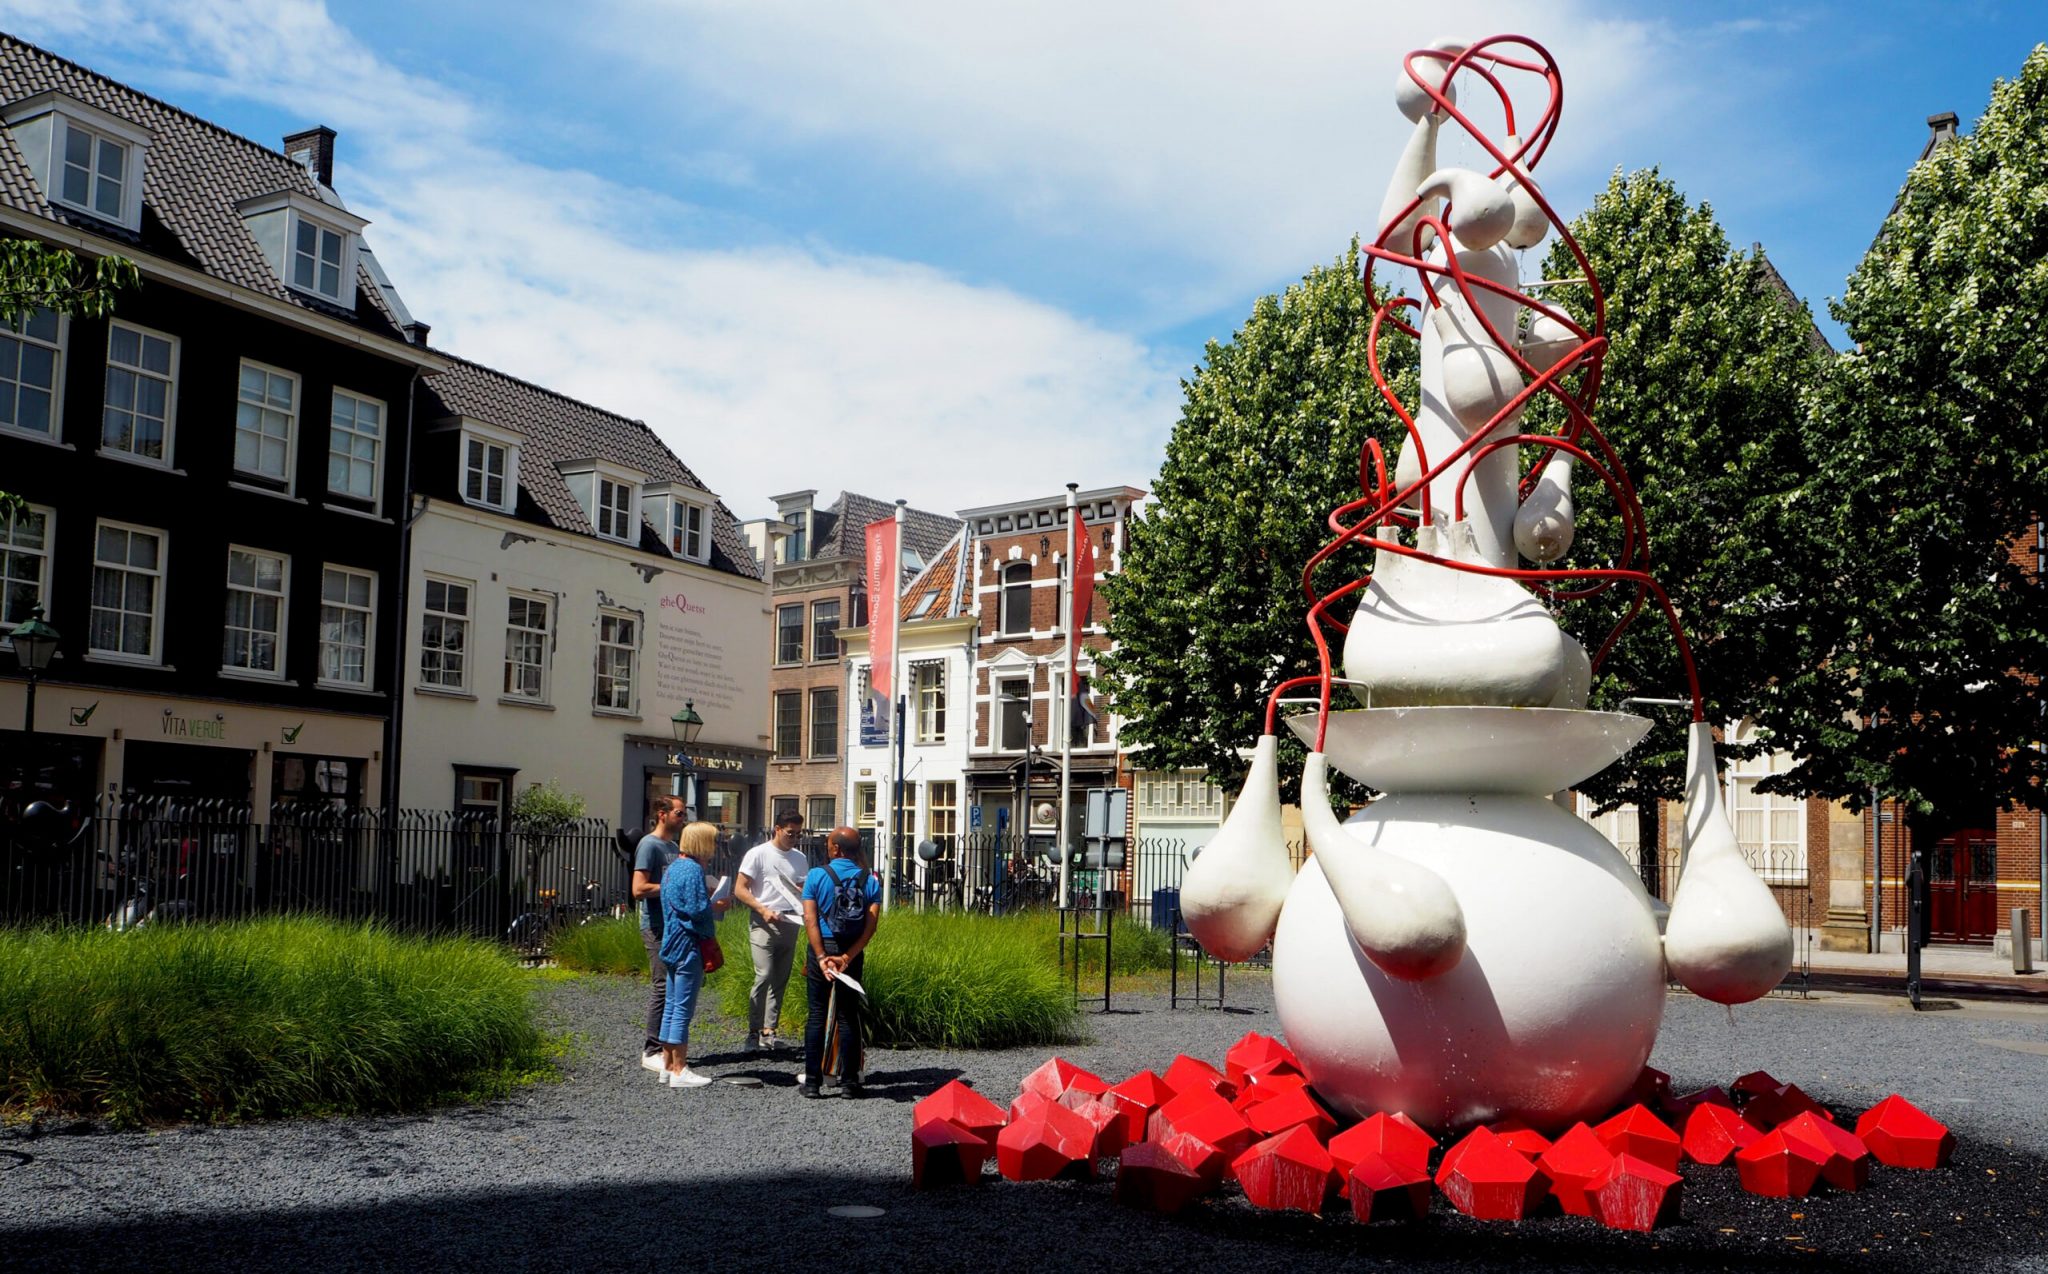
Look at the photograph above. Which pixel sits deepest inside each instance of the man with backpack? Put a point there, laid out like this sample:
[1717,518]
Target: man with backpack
[842,905]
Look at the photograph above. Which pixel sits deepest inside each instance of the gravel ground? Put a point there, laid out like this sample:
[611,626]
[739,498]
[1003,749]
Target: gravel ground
[609,1166]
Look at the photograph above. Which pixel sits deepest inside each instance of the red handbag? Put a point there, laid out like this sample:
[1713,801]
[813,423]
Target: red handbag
[711,953]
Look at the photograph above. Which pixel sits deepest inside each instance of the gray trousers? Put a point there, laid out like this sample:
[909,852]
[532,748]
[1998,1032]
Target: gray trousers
[657,998]
[774,950]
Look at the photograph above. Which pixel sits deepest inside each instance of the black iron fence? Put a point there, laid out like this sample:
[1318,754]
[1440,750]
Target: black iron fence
[123,863]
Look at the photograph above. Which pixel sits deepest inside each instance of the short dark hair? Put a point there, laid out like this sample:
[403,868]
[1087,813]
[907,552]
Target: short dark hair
[663,803]
[788,818]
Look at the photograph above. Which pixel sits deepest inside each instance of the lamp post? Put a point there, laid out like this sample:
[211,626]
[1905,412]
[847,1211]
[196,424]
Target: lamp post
[35,643]
[687,724]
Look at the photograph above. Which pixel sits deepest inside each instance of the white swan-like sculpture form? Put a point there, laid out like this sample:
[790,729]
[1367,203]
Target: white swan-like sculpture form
[1231,896]
[1726,939]
[1402,914]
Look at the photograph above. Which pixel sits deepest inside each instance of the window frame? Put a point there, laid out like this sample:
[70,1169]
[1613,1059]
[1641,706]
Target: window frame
[866,805]
[488,437]
[282,595]
[1792,865]
[788,608]
[58,347]
[680,531]
[942,818]
[344,258]
[632,660]
[129,183]
[376,461]
[1007,592]
[811,733]
[825,645]
[1006,706]
[9,551]
[812,821]
[466,618]
[777,725]
[136,370]
[930,700]
[288,482]
[524,632]
[369,614]
[603,512]
[161,574]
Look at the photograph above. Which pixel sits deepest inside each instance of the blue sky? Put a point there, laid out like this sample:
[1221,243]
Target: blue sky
[961,253]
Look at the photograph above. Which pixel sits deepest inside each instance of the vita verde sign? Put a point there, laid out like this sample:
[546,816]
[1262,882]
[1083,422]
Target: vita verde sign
[195,728]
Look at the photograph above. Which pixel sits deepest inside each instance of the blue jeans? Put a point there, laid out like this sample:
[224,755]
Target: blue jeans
[684,980]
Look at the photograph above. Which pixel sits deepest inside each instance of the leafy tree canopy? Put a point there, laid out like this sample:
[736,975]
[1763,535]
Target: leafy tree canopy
[34,274]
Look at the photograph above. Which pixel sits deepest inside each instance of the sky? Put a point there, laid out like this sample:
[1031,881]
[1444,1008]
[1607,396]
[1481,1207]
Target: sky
[965,253]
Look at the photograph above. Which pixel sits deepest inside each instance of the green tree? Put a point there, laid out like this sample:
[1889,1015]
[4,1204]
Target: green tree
[1207,611]
[1701,398]
[1937,469]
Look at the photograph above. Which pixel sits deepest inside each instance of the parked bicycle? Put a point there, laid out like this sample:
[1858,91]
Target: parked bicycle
[533,929]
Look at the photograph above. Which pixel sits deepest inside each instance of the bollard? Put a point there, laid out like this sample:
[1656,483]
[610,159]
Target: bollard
[2022,940]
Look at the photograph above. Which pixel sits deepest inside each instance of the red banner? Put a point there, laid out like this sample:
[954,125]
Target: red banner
[884,567]
[1084,598]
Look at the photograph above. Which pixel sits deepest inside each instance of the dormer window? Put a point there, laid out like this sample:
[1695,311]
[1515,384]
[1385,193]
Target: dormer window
[83,158]
[684,513]
[311,245]
[609,494]
[489,466]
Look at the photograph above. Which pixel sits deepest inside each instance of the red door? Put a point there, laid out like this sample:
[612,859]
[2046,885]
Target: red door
[1962,887]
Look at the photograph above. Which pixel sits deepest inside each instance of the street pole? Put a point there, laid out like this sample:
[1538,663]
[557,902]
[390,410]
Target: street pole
[895,801]
[28,723]
[887,840]
[1065,718]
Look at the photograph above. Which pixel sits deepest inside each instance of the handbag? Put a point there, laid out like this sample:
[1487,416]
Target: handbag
[711,953]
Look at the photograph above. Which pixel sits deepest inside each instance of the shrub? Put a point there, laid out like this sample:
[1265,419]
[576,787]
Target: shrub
[602,946]
[933,979]
[257,1018]
[542,807]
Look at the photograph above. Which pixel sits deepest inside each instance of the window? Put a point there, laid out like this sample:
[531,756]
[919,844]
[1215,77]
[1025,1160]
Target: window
[864,805]
[825,630]
[316,259]
[819,813]
[29,358]
[614,510]
[789,634]
[789,725]
[481,795]
[1016,599]
[924,605]
[355,434]
[618,649]
[24,564]
[526,648]
[93,173]
[944,822]
[780,805]
[142,369]
[347,611]
[253,633]
[1770,828]
[1014,703]
[794,549]
[444,634]
[825,722]
[686,531]
[486,472]
[264,416]
[928,681]
[127,592]
[1620,826]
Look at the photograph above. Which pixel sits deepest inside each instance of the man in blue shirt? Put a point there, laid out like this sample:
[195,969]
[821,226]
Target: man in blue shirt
[842,906]
[656,851]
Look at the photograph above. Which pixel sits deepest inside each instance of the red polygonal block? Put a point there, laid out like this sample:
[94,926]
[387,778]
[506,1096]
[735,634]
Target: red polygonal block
[1680,1107]
[1651,1088]
[945,1154]
[1061,1081]
[1268,1081]
[1484,1177]
[1573,1163]
[1150,1176]
[1112,1129]
[1290,1172]
[1192,1073]
[1780,1105]
[1136,1098]
[1186,1106]
[1634,1194]
[1201,1158]
[1383,1189]
[1848,1163]
[1901,1135]
[1637,1132]
[1292,1109]
[1216,1123]
[1779,1167]
[1270,1071]
[1049,1141]
[1712,1133]
[962,1107]
[1521,1136]
[1394,1137]
[1754,1084]
[1028,1102]
[1253,1051]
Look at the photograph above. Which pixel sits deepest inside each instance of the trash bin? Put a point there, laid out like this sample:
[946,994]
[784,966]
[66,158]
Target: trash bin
[1165,904]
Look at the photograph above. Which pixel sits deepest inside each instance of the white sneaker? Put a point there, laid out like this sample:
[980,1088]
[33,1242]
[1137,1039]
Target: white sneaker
[802,1078]
[687,1078]
[652,1061]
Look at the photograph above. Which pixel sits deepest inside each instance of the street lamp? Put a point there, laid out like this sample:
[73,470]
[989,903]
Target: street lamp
[687,724]
[35,643]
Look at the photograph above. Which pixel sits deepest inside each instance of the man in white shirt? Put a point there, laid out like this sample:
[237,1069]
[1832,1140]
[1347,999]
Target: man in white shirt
[770,884]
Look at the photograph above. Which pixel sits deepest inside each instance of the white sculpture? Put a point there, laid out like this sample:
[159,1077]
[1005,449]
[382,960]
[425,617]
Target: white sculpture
[1463,949]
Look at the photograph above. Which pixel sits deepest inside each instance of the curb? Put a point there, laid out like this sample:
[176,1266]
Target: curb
[2032,989]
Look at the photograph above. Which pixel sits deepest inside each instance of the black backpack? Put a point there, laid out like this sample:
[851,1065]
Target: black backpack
[848,913]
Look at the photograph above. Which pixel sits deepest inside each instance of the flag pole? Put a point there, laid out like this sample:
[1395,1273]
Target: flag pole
[896,714]
[1066,690]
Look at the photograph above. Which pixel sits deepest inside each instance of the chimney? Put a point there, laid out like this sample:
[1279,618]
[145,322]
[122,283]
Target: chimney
[313,150]
[416,332]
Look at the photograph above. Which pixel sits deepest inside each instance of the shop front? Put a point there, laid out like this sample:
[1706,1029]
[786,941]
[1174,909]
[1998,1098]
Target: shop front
[719,783]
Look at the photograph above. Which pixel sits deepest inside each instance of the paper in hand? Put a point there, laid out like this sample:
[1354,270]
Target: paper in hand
[846,980]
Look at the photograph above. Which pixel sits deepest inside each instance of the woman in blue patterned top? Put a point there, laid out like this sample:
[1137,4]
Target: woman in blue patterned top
[687,918]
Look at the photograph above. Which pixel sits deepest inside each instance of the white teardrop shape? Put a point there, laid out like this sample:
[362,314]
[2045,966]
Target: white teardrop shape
[1478,376]
[1401,914]
[1408,470]
[1232,893]
[1530,225]
[1546,341]
[1544,525]
[1481,212]
[1726,939]
[1408,95]
[1576,684]
[1418,160]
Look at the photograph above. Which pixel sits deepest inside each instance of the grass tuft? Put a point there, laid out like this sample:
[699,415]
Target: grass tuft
[602,946]
[257,1018]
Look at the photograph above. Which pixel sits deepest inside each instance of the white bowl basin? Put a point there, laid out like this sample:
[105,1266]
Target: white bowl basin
[1471,748]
